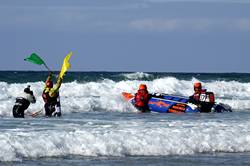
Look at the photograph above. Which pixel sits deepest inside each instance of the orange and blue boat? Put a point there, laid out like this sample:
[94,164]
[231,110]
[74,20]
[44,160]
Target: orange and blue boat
[165,103]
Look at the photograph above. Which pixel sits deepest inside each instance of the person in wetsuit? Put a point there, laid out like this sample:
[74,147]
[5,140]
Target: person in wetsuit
[203,99]
[23,102]
[51,97]
[141,99]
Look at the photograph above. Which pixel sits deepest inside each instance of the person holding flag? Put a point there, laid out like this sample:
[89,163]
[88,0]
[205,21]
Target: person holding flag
[51,97]
[50,93]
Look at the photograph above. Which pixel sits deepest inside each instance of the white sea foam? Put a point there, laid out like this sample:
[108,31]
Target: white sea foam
[106,95]
[34,138]
[122,138]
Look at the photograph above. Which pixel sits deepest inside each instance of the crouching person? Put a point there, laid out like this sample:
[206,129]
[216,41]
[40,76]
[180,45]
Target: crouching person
[23,102]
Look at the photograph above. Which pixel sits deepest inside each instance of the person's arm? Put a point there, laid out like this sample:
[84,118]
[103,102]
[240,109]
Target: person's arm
[30,97]
[192,100]
[33,100]
[55,89]
[58,84]
[48,79]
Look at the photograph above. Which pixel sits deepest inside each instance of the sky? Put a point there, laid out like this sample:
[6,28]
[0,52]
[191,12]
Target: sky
[127,35]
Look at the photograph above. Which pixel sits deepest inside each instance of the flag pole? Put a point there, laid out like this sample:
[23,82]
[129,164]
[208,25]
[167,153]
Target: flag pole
[47,67]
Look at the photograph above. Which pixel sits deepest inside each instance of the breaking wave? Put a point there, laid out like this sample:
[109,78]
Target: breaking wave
[105,95]
[137,76]
[122,138]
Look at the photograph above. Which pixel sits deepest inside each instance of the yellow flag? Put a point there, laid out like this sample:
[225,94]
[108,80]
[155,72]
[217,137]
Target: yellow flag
[65,65]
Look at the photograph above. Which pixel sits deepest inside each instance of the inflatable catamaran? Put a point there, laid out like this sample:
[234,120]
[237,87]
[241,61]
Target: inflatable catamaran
[165,103]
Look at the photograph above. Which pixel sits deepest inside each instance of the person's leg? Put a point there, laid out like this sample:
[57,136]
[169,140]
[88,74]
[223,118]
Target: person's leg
[143,109]
[58,108]
[49,109]
[22,113]
[18,112]
[15,111]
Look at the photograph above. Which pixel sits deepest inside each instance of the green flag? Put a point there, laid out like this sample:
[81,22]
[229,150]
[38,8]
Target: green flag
[34,58]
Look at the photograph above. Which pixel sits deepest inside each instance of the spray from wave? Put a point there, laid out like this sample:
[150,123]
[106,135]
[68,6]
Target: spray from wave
[137,76]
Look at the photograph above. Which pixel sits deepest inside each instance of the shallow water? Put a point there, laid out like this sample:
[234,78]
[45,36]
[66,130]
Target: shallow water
[99,138]
[229,159]
[99,128]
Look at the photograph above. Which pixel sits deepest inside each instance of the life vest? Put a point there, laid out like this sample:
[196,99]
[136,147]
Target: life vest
[23,103]
[204,96]
[47,98]
[141,98]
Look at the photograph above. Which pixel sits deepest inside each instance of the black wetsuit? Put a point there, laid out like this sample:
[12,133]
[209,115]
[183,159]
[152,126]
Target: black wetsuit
[51,104]
[50,108]
[20,106]
[202,105]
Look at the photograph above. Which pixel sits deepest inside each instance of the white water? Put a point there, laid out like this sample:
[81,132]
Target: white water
[98,122]
[122,137]
[106,95]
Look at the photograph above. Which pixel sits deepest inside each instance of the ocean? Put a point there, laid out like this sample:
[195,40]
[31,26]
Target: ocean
[98,127]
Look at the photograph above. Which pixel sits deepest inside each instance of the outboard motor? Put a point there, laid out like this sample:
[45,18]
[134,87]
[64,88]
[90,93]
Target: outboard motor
[219,108]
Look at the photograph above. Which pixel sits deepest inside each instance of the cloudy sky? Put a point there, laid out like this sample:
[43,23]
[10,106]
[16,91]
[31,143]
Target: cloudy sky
[127,35]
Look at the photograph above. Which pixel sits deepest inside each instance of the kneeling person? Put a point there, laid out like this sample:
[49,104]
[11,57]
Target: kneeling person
[141,99]
[23,102]
[203,99]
